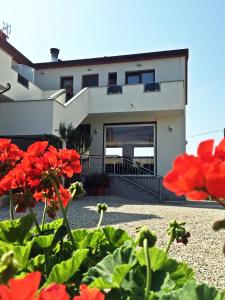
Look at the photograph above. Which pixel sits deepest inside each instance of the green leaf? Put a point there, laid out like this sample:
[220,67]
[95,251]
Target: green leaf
[194,292]
[49,227]
[79,235]
[167,274]
[88,239]
[179,272]
[44,241]
[21,253]
[36,263]
[111,271]
[16,231]
[116,237]
[63,271]
[158,258]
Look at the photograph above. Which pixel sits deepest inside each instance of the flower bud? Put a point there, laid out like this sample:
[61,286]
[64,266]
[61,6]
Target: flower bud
[8,267]
[145,233]
[102,207]
[76,189]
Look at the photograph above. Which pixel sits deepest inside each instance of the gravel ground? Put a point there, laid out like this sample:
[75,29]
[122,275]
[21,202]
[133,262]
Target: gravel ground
[204,250]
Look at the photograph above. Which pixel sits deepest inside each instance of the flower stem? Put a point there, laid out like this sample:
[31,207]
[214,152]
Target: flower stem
[35,220]
[169,243]
[64,213]
[11,205]
[149,271]
[100,219]
[43,216]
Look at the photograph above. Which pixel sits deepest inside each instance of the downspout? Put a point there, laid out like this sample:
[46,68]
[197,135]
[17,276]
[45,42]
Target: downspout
[7,89]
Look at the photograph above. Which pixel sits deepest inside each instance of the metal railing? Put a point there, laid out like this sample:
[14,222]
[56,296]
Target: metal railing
[132,172]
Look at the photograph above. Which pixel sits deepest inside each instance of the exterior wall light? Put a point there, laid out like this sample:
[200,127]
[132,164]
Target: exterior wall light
[95,131]
[170,128]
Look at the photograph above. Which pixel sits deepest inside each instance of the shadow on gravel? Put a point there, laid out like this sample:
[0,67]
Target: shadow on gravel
[84,217]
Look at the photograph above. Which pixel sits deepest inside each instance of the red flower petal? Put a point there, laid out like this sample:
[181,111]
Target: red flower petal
[54,292]
[24,288]
[215,185]
[197,195]
[205,149]
[87,293]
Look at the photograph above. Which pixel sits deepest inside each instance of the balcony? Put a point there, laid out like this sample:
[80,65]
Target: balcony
[138,97]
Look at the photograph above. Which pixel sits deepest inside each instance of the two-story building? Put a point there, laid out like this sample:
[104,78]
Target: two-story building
[133,104]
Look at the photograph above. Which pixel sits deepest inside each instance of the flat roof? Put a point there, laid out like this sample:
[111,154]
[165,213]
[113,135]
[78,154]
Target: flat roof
[22,59]
[113,59]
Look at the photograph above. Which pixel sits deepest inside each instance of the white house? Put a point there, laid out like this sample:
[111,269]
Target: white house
[133,104]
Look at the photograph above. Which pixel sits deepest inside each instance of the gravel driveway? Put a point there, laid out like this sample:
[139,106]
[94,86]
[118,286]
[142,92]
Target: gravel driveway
[204,250]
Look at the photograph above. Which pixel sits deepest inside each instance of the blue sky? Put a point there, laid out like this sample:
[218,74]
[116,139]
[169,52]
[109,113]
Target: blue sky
[91,28]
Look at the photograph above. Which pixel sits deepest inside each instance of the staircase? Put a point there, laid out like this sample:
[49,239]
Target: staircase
[128,179]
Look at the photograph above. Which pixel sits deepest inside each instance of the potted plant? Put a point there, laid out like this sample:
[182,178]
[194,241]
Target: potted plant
[97,184]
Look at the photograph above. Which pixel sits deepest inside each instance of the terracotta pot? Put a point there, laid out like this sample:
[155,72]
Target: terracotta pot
[97,191]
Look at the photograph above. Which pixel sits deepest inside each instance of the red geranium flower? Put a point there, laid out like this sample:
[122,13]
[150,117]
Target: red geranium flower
[10,154]
[199,177]
[87,293]
[26,289]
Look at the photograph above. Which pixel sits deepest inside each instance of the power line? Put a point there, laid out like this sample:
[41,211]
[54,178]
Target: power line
[204,133]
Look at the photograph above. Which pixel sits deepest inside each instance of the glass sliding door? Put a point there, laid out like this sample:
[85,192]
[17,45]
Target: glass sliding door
[132,144]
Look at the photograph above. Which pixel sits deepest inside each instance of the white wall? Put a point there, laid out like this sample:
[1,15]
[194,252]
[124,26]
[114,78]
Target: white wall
[8,75]
[19,92]
[73,111]
[26,117]
[133,98]
[169,143]
[167,69]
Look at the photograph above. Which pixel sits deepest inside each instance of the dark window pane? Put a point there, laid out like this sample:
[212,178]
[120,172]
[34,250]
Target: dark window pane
[67,84]
[147,77]
[90,80]
[130,135]
[112,79]
[133,78]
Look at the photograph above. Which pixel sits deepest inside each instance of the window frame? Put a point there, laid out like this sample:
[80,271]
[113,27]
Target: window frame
[154,124]
[90,75]
[112,73]
[139,73]
[62,78]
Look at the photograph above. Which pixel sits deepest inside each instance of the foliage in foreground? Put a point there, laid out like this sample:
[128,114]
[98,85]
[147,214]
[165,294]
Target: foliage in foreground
[105,259]
[50,261]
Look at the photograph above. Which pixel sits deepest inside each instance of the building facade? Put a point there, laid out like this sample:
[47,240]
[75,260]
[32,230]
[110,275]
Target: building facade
[133,104]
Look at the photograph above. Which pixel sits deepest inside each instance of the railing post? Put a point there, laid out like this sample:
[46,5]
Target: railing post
[160,189]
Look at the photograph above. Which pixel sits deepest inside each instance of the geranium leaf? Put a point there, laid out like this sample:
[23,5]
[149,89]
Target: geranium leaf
[16,231]
[49,227]
[63,271]
[116,237]
[21,253]
[36,263]
[111,271]
[194,292]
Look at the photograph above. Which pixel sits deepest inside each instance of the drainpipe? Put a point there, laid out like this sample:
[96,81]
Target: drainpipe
[7,89]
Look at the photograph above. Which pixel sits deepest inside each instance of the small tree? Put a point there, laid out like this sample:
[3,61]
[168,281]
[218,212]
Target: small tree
[76,138]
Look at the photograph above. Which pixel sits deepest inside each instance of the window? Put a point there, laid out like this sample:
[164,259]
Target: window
[67,84]
[133,143]
[114,151]
[22,80]
[143,151]
[112,79]
[140,77]
[90,80]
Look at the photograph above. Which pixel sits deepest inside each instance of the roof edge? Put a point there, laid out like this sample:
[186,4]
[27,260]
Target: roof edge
[114,59]
[16,54]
